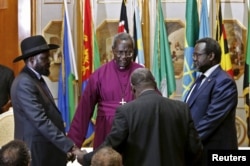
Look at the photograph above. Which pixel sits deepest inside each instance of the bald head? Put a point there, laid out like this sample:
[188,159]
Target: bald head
[142,79]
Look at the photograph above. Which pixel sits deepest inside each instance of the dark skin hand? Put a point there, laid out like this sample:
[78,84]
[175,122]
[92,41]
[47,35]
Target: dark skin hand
[80,154]
[76,153]
[70,155]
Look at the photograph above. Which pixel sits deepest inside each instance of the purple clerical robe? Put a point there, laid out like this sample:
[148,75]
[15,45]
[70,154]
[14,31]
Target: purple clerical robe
[108,86]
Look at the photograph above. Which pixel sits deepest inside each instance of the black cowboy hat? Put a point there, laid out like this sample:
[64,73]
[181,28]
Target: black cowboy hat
[34,45]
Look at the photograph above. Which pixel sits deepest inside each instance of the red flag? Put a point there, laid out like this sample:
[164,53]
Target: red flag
[123,24]
[221,37]
[87,55]
[90,60]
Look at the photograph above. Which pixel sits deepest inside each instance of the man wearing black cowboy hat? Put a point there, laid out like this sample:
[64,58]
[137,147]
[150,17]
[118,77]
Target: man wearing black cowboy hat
[38,121]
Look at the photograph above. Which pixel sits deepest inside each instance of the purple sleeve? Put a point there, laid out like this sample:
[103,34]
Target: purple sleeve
[84,112]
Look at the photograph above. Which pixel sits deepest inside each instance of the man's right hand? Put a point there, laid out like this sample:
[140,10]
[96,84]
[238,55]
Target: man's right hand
[79,154]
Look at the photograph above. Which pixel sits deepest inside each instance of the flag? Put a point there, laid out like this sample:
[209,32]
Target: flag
[90,59]
[97,61]
[90,56]
[221,37]
[123,24]
[145,31]
[139,52]
[192,34]
[204,21]
[87,55]
[66,100]
[163,69]
[246,80]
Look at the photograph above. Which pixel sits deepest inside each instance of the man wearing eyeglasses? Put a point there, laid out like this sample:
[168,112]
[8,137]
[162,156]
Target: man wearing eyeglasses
[108,87]
[213,100]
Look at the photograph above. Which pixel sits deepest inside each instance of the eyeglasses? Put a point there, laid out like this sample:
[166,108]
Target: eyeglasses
[196,55]
[126,53]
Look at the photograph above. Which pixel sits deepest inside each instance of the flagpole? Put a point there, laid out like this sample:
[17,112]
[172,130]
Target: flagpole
[70,41]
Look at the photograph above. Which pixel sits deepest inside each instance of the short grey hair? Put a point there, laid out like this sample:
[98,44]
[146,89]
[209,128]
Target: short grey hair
[142,77]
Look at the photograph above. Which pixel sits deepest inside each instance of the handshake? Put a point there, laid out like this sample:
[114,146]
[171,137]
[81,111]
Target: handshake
[76,153]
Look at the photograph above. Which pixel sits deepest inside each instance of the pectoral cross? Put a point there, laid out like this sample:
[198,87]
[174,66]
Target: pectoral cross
[122,102]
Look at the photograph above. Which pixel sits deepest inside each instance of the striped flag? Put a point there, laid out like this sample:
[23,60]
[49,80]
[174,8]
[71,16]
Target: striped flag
[90,59]
[87,55]
[246,80]
[145,31]
[192,34]
[139,52]
[66,97]
[123,24]
[221,37]
[163,69]
[204,21]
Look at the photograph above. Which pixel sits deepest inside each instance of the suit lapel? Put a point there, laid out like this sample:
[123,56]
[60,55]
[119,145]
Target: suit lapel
[38,83]
[203,87]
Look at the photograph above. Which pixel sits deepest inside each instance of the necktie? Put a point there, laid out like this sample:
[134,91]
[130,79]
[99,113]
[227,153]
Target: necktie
[45,87]
[197,85]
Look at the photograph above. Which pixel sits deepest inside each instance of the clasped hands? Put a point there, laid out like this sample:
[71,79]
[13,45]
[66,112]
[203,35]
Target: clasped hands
[76,153]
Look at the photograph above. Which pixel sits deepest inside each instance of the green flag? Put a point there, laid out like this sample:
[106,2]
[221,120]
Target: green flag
[163,69]
[96,60]
[192,34]
[96,65]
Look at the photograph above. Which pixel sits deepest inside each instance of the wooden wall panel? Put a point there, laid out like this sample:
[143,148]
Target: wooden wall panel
[9,34]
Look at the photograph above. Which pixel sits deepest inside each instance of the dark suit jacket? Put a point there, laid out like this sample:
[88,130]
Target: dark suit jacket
[6,79]
[153,130]
[38,122]
[213,111]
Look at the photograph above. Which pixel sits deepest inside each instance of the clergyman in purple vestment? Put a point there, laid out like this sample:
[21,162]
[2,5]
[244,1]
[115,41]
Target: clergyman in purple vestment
[109,87]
